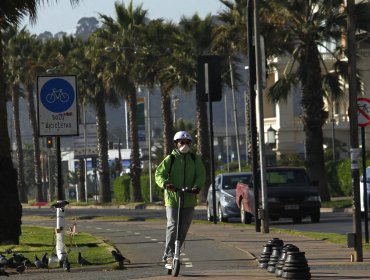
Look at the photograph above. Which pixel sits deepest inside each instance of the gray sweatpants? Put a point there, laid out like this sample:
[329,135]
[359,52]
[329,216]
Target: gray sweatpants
[186,218]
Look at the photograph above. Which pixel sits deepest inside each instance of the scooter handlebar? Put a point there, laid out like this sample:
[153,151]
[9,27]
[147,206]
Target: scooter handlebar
[194,190]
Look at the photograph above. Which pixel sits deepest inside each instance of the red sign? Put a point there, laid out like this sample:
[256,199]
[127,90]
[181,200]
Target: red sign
[363,111]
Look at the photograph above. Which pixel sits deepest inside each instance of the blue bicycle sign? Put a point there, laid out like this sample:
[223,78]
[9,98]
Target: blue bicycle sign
[57,95]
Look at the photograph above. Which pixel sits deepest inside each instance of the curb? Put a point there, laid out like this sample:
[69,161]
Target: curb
[159,207]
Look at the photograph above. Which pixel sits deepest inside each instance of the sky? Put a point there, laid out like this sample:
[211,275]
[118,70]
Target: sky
[63,17]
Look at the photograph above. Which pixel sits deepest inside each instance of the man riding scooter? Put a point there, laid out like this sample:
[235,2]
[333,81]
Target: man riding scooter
[181,169]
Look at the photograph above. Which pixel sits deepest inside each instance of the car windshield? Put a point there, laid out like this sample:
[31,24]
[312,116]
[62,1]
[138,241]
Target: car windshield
[278,178]
[229,182]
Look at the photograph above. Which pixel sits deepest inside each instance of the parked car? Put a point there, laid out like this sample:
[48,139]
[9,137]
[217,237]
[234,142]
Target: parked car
[225,184]
[362,187]
[290,193]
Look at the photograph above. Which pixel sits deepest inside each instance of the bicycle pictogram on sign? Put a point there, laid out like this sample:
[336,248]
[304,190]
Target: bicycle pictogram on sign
[57,95]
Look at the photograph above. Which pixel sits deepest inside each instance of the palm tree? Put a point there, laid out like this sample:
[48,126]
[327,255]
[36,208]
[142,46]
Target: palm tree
[97,93]
[308,25]
[11,56]
[195,40]
[28,53]
[11,13]
[125,33]
[231,34]
[230,41]
[156,60]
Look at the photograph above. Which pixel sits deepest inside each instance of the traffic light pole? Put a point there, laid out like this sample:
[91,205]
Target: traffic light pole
[210,111]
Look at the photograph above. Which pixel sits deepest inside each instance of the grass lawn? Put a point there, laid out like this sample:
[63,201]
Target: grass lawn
[39,240]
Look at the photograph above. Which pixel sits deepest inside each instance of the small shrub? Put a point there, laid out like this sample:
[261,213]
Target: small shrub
[121,188]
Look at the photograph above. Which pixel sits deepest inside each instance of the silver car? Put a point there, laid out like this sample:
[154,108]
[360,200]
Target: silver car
[225,195]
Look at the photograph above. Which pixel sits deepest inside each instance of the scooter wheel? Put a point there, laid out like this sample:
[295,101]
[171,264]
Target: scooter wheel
[169,271]
[176,268]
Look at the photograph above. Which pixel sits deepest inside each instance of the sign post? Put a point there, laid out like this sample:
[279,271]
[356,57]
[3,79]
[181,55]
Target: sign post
[363,113]
[209,89]
[57,114]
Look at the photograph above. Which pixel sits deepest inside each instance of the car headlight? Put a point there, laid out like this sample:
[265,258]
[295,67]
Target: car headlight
[314,198]
[228,198]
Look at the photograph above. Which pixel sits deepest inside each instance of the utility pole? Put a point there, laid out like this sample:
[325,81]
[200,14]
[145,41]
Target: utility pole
[262,213]
[252,82]
[353,125]
[235,115]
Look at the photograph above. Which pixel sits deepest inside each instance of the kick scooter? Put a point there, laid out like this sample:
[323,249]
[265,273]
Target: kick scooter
[174,269]
[60,246]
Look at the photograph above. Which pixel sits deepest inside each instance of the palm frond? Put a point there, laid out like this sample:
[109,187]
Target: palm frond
[282,88]
[333,88]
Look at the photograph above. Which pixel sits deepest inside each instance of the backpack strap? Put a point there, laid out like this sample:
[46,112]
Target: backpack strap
[172,160]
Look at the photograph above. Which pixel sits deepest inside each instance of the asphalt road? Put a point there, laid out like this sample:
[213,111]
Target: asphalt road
[332,222]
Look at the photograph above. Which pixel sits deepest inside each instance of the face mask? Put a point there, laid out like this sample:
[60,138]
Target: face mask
[184,149]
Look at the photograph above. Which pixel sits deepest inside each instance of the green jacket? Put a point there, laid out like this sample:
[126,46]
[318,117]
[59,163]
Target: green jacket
[185,172]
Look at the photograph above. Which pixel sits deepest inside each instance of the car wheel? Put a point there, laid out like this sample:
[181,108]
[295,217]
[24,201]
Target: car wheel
[297,220]
[209,214]
[221,217]
[315,218]
[245,217]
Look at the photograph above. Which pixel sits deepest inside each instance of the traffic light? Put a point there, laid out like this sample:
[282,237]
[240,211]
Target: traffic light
[49,142]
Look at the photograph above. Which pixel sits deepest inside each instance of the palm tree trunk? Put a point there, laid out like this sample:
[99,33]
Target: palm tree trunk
[36,142]
[203,143]
[135,166]
[10,207]
[314,116]
[22,188]
[168,130]
[103,166]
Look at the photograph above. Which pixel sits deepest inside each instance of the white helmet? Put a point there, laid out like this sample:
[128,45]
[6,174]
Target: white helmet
[182,135]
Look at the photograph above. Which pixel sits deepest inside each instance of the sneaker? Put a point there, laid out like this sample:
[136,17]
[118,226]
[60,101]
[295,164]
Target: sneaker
[168,264]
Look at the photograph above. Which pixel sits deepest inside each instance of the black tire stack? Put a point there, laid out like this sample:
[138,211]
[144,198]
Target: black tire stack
[285,261]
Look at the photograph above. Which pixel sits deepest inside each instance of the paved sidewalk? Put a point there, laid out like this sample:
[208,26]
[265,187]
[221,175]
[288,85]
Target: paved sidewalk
[326,260]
